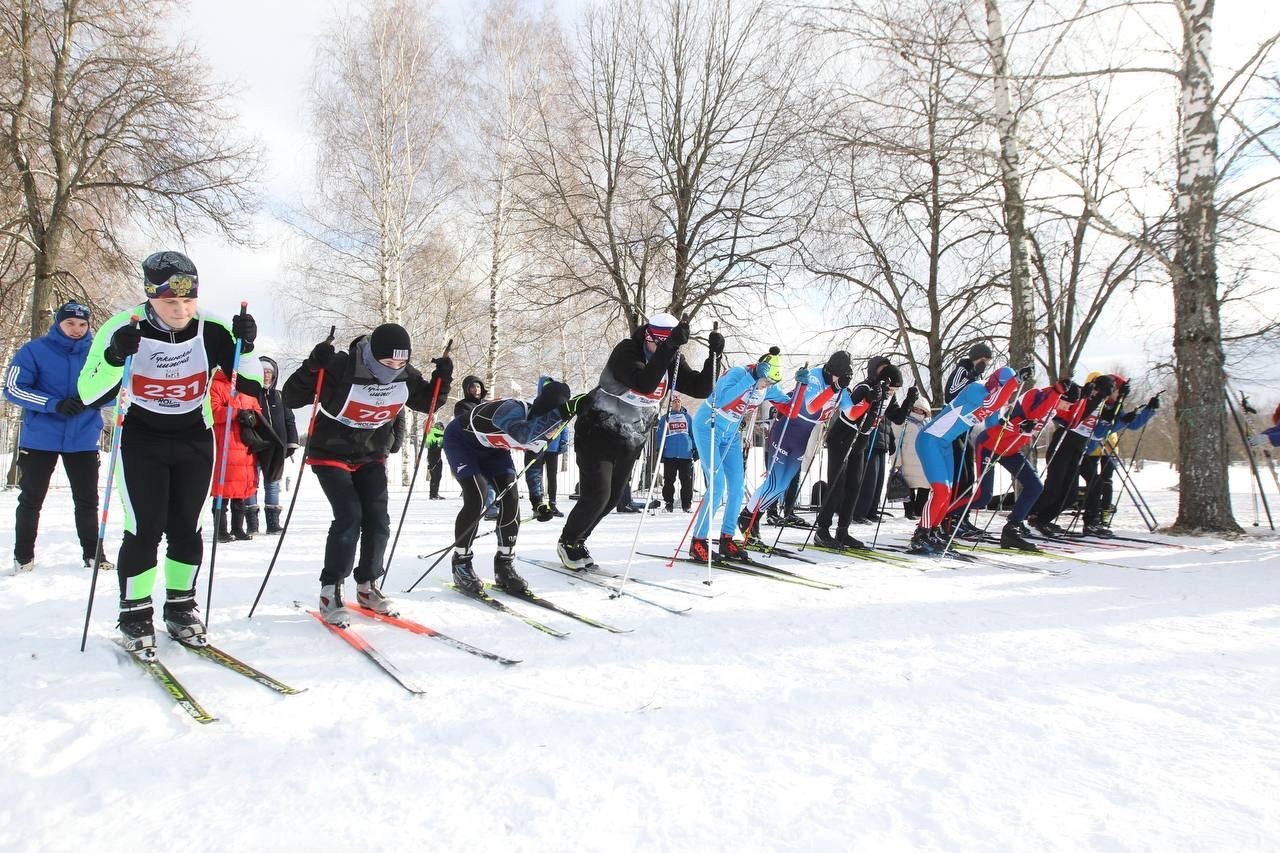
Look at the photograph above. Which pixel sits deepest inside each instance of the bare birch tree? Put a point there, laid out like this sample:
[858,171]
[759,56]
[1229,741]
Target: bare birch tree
[109,122]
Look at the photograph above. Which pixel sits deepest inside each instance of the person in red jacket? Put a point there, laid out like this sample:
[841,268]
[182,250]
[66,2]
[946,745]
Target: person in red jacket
[241,480]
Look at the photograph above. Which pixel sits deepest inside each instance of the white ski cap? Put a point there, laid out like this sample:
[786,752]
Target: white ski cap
[663,320]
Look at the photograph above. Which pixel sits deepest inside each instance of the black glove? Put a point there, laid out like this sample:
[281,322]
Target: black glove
[1027,374]
[1027,426]
[570,407]
[1072,392]
[679,336]
[543,512]
[244,327]
[321,354]
[248,418]
[913,394]
[1154,403]
[124,343]
[841,382]
[70,407]
[443,371]
[715,343]
[288,454]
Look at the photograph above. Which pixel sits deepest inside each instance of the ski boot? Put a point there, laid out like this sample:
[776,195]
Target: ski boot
[848,541]
[1098,529]
[822,536]
[1011,537]
[574,555]
[137,633]
[1048,528]
[730,551]
[370,597]
[506,576]
[772,517]
[792,519]
[698,550]
[181,618]
[464,577]
[968,531]
[750,532]
[924,541]
[331,608]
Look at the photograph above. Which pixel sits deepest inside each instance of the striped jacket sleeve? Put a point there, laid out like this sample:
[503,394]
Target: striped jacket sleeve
[20,380]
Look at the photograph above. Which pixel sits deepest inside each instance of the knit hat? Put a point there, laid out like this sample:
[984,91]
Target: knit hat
[769,366]
[978,351]
[169,274]
[659,326]
[390,340]
[72,310]
[553,394]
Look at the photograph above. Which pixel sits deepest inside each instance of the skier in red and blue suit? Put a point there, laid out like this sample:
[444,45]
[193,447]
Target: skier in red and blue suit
[812,402]
[1005,442]
[978,402]
[739,391]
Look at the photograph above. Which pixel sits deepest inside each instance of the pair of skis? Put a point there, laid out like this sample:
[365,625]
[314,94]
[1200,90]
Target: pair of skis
[150,661]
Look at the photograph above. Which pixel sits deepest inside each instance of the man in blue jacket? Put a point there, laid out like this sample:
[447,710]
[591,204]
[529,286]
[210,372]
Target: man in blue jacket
[55,422]
[677,455]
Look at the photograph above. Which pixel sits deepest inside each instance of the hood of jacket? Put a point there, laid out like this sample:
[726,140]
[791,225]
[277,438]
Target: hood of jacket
[484,392]
[275,372]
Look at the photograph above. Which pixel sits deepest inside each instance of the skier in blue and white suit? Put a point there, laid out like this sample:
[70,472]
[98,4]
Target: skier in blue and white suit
[739,391]
[814,400]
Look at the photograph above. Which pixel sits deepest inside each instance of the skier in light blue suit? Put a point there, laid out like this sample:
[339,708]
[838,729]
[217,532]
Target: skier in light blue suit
[739,391]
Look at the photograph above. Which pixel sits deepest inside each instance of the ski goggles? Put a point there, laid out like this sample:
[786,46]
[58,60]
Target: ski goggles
[180,285]
[657,334]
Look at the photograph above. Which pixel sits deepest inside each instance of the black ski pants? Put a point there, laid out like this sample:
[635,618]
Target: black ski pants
[359,502]
[537,469]
[435,469]
[35,468]
[872,487]
[682,470]
[846,462]
[602,475]
[1099,489]
[474,490]
[1065,452]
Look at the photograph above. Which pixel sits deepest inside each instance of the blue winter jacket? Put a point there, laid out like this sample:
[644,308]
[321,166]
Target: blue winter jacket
[680,442]
[42,374]
[1102,428]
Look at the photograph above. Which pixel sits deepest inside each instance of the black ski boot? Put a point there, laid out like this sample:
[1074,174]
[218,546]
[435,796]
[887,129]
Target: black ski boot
[1098,529]
[792,519]
[924,541]
[822,536]
[136,631]
[464,577]
[506,576]
[1011,537]
[750,531]
[848,541]
[181,618]
[574,555]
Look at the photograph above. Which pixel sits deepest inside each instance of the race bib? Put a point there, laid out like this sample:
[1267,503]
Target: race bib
[372,406]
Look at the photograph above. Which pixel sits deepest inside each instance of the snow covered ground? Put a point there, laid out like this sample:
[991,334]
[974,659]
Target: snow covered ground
[972,709]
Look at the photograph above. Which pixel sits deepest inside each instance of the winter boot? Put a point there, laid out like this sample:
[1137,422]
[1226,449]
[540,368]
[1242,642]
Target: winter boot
[822,536]
[729,550]
[332,609]
[698,551]
[273,520]
[574,555]
[370,597]
[238,514]
[104,564]
[181,618]
[848,541]
[1011,538]
[924,541]
[220,522]
[20,567]
[251,520]
[136,631]
[555,510]
[506,576]
[464,577]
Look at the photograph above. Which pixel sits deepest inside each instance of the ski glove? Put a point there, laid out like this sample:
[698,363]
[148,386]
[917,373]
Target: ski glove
[1027,374]
[679,336]
[570,407]
[543,512]
[244,327]
[321,354]
[1154,403]
[913,394]
[124,343]
[1259,440]
[715,343]
[443,371]
[248,418]
[1127,418]
[70,407]
[1070,391]
[1027,426]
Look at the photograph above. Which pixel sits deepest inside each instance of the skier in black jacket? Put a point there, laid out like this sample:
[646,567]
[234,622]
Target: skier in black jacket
[365,389]
[615,418]
[279,421]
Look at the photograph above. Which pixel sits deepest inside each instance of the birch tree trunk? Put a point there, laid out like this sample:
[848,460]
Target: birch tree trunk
[1022,328]
[1204,501]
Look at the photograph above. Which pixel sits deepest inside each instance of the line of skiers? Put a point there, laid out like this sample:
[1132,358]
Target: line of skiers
[180,362]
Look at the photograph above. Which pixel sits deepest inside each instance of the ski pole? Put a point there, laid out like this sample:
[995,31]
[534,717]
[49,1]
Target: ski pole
[1248,422]
[413,480]
[222,475]
[897,457]
[551,436]
[709,498]
[653,480]
[1140,503]
[122,403]
[1248,450]
[302,468]
[797,399]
